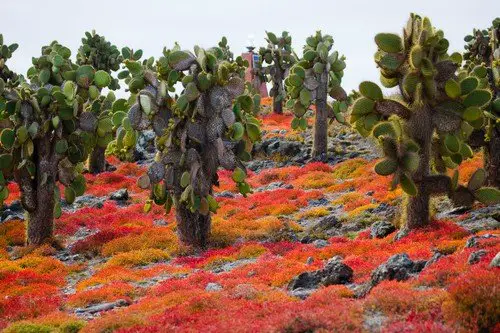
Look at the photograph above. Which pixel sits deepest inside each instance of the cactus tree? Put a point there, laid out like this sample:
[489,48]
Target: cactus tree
[482,58]
[431,119]
[279,58]
[95,51]
[317,75]
[209,125]
[47,141]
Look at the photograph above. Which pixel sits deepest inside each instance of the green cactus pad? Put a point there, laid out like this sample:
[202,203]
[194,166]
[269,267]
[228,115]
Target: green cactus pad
[102,79]
[69,195]
[468,84]
[477,98]
[390,43]
[416,55]
[363,106]
[238,175]
[411,161]
[384,128]
[477,180]
[386,167]
[408,185]
[452,88]
[452,143]
[488,195]
[7,138]
[85,76]
[472,113]
[371,90]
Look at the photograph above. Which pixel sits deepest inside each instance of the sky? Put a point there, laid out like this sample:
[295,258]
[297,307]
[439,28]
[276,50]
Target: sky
[152,24]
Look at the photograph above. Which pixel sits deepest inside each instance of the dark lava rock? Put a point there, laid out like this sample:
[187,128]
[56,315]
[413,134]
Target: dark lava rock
[279,146]
[274,186]
[323,227]
[381,229]
[473,241]
[102,307]
[225,194]
[145,146]
[334,272]
[120,195]
[476,256]
[435,257]
[486,218]
[14,211]
[398,267]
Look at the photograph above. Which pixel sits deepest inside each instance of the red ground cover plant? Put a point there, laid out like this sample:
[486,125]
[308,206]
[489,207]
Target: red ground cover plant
[140,260]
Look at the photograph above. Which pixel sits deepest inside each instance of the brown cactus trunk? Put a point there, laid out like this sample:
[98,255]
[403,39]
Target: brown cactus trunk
[417,209]
[492,159]
[320,143]
[277,106]
[41,218]
[193,228]
[97,160]
[278,87]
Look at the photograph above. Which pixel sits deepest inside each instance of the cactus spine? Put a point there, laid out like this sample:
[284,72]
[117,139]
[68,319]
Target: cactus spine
[279,58]
[482,58]
[210,124]
[317,75]
[429,122]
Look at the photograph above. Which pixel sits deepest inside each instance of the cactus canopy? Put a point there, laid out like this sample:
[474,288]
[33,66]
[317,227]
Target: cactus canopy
[210,124]
[430,121]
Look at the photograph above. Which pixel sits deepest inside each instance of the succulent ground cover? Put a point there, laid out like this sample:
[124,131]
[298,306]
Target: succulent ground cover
[122,270]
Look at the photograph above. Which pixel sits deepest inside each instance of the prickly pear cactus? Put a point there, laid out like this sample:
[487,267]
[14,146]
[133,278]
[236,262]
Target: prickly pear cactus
[278,56]
[431,119]
[209,125]
[47,140]
[105,58]
[482,61]
[7,76]
[318,74]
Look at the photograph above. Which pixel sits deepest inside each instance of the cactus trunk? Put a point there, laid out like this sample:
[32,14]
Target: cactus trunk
[192,228]
[41,219]
[320,144]
[97,161]
[492,159]
[278,91]
[277,106]
[420,129]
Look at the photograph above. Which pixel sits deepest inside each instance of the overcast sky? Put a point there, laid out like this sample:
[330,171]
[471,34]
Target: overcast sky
[151,25]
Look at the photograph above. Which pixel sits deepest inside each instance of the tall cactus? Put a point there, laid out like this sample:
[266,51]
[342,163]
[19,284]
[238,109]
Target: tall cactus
[279,58]
[482,58]
[210,124]
[317,75]
[430,119]
[48,139]
[99,53]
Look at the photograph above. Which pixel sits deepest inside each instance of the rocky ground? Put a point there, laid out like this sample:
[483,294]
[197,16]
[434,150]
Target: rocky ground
[312,249]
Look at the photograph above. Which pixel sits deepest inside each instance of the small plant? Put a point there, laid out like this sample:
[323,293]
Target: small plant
[315,76]
[429,122]
[482,61]
[279,58]
[210,124]
[49,135]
